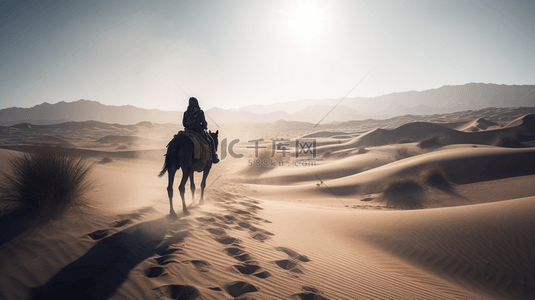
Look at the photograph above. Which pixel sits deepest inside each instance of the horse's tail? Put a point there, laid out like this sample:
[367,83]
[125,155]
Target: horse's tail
[170,156]
[164,169]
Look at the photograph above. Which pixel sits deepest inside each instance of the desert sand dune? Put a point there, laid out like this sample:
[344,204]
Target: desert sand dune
[484,248]
[114,139]
[228,249]
[329,169]
[527,121]
[317,231]
[462,165]
[479,124]
[324,134]
[346,249]
[154,155]
[49,139]
[483,245]
[420,130]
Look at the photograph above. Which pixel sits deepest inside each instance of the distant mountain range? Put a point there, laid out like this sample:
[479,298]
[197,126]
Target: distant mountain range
[445,99]
[442,100]
[85,110]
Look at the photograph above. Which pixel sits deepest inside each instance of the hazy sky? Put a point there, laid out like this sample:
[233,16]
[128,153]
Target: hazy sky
[235,53]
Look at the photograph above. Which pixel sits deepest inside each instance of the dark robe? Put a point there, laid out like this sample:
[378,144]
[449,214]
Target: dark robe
[194,118]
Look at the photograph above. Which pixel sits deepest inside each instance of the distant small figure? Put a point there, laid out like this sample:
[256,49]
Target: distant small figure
[194,120]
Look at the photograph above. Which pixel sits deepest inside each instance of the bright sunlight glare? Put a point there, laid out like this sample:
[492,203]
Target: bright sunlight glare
[306,21]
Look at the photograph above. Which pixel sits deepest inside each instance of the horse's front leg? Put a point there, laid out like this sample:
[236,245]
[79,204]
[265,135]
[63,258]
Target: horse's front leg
[203,185]
[182,189]
[171,173]
[192,186]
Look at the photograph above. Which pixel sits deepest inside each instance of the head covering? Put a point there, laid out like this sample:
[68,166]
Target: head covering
[190,116]
[193,107]
[193,103]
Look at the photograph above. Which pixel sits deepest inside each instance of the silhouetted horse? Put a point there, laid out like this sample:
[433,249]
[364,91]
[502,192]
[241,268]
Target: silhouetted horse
[180,156]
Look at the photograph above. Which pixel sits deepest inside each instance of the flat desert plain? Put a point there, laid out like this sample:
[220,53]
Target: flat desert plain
[437,207]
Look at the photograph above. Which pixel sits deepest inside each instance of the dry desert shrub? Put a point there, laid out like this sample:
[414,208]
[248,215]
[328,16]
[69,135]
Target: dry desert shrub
[42,184]
[432,141]
[403,193]
[510,139]
[408,192]
[402,152]
[434,175]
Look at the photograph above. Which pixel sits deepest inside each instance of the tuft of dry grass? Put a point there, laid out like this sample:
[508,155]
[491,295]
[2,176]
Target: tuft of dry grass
[402,152]
[432,141]
[435,176]
[510,139]
[403,193]
[408,192]
[42,185]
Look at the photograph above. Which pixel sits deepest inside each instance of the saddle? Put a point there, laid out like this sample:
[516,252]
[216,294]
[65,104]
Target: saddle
[201,148]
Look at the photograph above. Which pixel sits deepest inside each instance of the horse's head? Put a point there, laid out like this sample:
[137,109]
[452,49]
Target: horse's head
[214,136]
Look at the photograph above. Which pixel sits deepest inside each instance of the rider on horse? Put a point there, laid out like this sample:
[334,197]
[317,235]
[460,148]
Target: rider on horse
[194,120]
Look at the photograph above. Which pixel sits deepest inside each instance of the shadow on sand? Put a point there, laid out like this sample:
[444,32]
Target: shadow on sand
[99,272]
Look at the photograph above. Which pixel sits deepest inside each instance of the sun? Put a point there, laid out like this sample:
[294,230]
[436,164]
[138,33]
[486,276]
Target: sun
[306,21]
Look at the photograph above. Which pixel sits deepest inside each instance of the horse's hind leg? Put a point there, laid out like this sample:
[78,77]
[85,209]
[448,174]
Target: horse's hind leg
[203,185]
[192,186]
[182,188]
[171,173]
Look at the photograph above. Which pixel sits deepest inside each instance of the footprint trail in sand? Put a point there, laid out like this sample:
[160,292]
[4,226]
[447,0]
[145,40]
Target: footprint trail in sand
[221,250]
